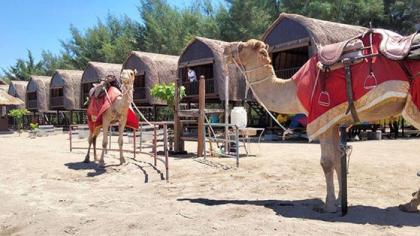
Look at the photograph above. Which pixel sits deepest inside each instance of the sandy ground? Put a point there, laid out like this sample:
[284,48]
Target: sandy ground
[46,190]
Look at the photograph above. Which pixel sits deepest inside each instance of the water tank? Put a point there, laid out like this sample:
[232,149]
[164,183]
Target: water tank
[239,117]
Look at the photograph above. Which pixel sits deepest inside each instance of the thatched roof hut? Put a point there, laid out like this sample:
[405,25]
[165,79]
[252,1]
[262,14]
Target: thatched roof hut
[151,69]
[6,99]
[205,57]
[65,90]
[94,72]
[37,93]
[17,89]
[294,38]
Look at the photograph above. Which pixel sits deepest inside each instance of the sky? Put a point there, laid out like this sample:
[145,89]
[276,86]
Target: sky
[40,24]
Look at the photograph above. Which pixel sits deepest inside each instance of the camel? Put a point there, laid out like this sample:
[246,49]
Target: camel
[280,95]
[116,113]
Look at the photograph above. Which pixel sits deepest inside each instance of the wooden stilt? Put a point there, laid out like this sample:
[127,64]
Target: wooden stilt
[201,118]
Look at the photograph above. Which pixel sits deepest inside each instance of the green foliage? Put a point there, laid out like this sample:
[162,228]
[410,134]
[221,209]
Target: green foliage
[33,126]
[167,29]
[18,115]
[109,41]
[166,92]
[24,68]
[245,19]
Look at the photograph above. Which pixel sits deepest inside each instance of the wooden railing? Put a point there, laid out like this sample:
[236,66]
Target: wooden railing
[191,88]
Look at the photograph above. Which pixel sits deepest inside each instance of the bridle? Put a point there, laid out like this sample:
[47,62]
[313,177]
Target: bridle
[249,84]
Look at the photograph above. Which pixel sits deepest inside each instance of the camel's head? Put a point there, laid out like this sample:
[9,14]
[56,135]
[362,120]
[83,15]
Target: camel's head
[252,53]
[127,76]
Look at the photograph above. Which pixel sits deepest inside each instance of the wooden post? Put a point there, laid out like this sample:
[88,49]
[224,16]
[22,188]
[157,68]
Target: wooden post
[226,114]
[177,123]
[201,118]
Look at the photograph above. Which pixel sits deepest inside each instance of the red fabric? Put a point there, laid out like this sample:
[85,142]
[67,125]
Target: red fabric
[334,82]
[97,106]
[414,68]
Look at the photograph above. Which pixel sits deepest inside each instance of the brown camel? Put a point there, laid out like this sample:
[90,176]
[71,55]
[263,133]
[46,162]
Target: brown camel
[116,113]
[280,95]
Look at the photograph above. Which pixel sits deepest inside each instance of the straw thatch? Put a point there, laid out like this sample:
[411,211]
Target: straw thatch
[203,51]
[4,87]
[6,99]
[95,71]
[40,85]
[157,69]
[69,81]
[293,28]
[17,89]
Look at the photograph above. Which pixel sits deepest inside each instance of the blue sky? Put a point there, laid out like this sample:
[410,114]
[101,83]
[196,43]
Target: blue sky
[40,24]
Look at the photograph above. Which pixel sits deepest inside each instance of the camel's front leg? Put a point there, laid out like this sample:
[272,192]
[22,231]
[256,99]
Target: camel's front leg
[105,127]
[121,128]
[329,149]
[87,157]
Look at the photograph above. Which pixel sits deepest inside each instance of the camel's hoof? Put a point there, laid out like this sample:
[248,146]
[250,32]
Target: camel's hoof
[122,161]
[86,159]
[408,208]
[101,164]
[331,209]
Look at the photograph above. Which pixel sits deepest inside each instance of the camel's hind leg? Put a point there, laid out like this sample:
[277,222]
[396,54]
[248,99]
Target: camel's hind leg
[330,153]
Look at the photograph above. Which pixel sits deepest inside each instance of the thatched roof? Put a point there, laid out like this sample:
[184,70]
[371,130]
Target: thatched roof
[4,87]
[40,85]
[294,29]
[6,99]
[17,89]
[69,81]
[204,51]
[95,71]
[2,82]
[157,69]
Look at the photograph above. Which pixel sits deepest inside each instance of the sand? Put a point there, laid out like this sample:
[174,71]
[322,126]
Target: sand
[46,190]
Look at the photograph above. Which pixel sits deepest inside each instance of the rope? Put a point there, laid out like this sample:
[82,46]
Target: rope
[243,72]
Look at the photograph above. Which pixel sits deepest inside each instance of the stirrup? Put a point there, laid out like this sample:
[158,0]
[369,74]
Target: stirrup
[370,81]
[324,99]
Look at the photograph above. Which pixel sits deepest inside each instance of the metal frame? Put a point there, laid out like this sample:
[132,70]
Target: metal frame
[225,140]
[155,141]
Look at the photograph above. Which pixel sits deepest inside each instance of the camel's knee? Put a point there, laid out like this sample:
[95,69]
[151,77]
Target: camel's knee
[120,141]
[104,143]
[327,164]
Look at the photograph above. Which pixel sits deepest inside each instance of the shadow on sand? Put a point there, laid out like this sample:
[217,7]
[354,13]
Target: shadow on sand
[97,170]
[304,209]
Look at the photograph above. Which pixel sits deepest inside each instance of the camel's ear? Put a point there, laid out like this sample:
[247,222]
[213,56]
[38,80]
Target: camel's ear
[240,46]
[259,44]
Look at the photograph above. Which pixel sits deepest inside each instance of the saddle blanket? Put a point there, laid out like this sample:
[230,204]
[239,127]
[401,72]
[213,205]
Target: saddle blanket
[98,106]
[323,94]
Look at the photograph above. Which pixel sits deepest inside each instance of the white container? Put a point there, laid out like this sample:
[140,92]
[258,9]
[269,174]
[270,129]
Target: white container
[239,117]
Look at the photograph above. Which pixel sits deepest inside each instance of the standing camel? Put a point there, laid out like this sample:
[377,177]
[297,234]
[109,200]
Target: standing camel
[117,112]
[281,96]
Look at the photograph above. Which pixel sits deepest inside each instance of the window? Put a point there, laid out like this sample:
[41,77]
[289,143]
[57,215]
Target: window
[287,63]
[31,96]
[140,81]
[205,70]
[57,92]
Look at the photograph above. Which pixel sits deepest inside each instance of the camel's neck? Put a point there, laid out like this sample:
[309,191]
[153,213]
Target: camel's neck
[278,95]
[127,91]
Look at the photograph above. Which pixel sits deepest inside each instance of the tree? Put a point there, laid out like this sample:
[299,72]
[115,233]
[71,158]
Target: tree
[245,19]
[167,29]
[109,41]
[166,92]
[18,115]
[24,68]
